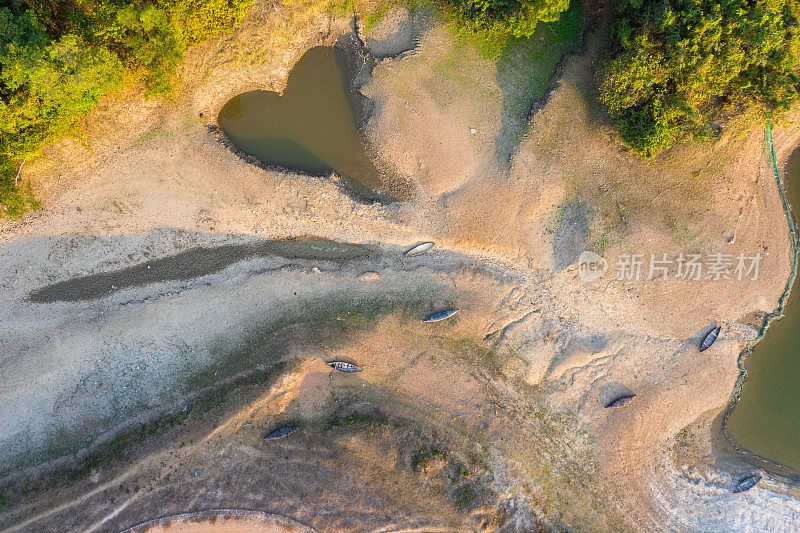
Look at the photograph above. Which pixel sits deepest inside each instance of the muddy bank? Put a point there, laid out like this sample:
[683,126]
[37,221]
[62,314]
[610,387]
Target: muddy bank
[196,263]
[748,421]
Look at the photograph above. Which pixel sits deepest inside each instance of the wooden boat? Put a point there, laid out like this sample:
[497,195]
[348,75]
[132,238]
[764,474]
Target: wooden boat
[281,432]
[747,483]
[710,338]
[419,249]
[440,315]
[342,366]
[622,400]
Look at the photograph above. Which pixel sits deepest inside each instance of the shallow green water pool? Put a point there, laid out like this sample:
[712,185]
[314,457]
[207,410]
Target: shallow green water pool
[311,127]
[766,420]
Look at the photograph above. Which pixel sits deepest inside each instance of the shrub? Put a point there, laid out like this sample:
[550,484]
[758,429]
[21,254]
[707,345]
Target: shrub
[517,18]
[57,59]
[679,65]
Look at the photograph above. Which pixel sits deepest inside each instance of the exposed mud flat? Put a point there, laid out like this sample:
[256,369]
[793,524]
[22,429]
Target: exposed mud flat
[157,396]
[222,521]
[194,263]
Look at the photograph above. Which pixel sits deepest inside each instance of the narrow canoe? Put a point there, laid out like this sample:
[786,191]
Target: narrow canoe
[440,315]
[747,483]
[710,338]
[345,367]
[281,432]
[419,249]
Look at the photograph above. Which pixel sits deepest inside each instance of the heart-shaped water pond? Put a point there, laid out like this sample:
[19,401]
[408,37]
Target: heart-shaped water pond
[311,127]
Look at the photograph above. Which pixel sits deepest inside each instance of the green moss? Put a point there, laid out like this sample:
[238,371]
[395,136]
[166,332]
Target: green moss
[375,16]
[465,496]
[476,354]
[150,134]
[425,454]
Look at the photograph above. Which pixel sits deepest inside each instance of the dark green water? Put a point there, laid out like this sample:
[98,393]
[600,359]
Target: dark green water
[766,420]
[311,127]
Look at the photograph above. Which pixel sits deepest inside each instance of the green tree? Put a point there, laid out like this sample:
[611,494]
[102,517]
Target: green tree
[680,65]
[197,20]
[146,41]
[513,17]
[59,57]
[44,85]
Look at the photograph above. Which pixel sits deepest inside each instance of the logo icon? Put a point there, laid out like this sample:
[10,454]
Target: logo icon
[591,266]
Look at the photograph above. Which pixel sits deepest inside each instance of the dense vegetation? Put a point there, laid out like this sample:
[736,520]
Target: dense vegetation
[514,18]
[59,57]
[682,65]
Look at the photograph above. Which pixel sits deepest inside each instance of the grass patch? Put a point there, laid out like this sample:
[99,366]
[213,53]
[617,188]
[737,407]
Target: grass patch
[425,455]
[476,354]
[465,496]
[561,468]
[15,199]
[150,134]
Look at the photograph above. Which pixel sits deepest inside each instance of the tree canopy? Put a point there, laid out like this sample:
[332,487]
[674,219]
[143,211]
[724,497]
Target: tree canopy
[59,57]
[679,65]
[517,18]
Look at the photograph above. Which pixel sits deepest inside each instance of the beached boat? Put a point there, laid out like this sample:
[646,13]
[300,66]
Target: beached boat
[747,483]
[710,338]
[419,249]
[281,432]
[440,315]
[345,367]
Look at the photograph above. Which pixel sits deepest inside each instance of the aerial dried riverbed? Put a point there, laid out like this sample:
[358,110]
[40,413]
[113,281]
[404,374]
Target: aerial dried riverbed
[165,310]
